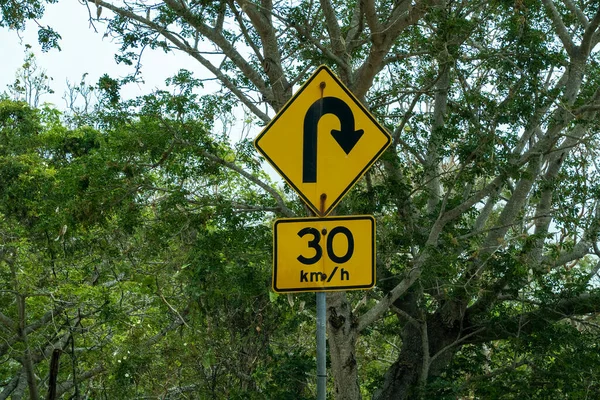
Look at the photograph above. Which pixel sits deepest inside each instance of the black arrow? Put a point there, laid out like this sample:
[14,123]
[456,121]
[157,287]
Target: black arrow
[346,137]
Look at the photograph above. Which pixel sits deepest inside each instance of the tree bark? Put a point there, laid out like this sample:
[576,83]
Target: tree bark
[342,329]
[53,375]
[402,377]
[27,359]
[427,348]
[433,169]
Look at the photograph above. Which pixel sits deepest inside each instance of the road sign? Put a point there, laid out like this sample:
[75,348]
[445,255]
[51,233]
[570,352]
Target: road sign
[322,141]
[323,254]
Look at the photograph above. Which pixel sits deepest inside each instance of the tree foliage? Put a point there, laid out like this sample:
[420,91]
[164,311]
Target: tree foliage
[487,200]
[120,254]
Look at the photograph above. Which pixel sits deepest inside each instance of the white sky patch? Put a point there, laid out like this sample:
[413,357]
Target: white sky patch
[84,51]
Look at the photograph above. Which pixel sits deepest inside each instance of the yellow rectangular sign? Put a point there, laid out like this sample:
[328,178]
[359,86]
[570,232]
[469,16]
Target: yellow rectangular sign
[323,254]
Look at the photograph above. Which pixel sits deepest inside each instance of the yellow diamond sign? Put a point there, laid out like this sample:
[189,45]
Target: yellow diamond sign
[323,254]
[322,141]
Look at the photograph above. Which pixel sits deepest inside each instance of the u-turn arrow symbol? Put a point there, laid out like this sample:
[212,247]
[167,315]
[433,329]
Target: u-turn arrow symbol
[346,137]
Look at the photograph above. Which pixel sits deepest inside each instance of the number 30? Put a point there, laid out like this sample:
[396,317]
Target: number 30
[314,243]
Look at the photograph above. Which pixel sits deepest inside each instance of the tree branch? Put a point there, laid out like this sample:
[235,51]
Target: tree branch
[26,360]
[282,207]
[189,49]
[271,62]
[11,386]
[578,13]
[580,250]
[384,304]
[245,32]
[8,323]
[356,27]
[16,387]
[559,25]
[221,42]
[588,35]
[335,37]
[306,33]
[383,37]
[537,319]
[66,386]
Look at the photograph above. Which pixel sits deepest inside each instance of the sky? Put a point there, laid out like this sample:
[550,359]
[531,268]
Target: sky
[83,51]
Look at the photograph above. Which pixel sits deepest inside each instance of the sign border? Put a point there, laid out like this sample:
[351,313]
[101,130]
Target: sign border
[315,207]
[330,288]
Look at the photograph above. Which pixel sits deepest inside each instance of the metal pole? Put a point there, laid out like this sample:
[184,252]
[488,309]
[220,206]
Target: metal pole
[321,346]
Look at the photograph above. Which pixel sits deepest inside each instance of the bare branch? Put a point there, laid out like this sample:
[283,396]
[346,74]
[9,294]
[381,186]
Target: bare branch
[261,19]
[471,201]
[403,56]
[546,313]
[173,309]
[578,13]
[457,342]
[11,386]
[488,377]
[220,41]
[413,321]
[356,26]
[232,87]
[44,319]
[335,34]
[513,207]
[589,35]
[384,304]
[220,17]
[16,386]
[580,250]
[398,131]
[157,337]
[559,25]
[371,16]
[306,33]
[244,30]
[26,359]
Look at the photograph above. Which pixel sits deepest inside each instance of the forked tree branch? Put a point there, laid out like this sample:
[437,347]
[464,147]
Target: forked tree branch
[221,42]
[578,13]
[335,33]
[261,18]
[559,25]
[64,387]
[383,37]
[587,41]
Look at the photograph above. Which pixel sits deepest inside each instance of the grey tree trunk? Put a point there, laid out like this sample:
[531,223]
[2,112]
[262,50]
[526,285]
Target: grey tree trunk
[342,330]
[427,349]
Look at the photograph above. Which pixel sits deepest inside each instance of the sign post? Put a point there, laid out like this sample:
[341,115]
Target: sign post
[322,142]
[321,346]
